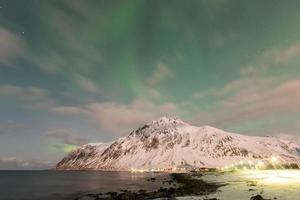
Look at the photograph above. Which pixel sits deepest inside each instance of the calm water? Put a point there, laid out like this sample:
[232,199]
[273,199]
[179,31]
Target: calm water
[57,185]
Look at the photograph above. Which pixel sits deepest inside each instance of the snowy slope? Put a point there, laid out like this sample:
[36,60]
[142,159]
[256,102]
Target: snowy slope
[84,156]
[169,142]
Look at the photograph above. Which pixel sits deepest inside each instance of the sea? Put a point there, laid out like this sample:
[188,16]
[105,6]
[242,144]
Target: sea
[65,185]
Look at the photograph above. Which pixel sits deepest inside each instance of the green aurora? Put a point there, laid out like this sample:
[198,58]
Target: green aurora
[78,71]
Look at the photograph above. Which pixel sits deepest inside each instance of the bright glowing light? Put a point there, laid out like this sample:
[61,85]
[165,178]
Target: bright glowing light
[250,162]
[274,160]
[273,177]
[133,170]
[241,162]
[260,164]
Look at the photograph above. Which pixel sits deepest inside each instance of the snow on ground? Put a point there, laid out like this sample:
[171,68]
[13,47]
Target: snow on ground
[271,184]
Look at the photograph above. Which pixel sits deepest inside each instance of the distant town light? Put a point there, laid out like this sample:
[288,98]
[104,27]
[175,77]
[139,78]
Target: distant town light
[260,163]
[274,160]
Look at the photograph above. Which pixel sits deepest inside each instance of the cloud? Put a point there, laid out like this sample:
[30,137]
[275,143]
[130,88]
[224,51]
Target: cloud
[85,84]
[48,60]
[247,85]
[154,94]
[276,57]
[160,75]
[83,56]
[255,95]
[68,110]
[37,97]
[66,137]
[27,93]
[286,55]
[154,87]
[11,47]
[121,119]
[118,118]
[283,98]
[81,8]
[252,99]
[12,163]
[8,128]
[250,71]
[241,87]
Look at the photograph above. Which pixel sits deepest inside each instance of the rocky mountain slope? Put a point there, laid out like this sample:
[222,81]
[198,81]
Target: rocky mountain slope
[168,143]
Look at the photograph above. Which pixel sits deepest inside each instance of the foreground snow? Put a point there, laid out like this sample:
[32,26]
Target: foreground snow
[168,143]
[271,184]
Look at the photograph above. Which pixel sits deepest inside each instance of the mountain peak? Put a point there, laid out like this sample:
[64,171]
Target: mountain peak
[158,125]
[211,128]
[168,142]
[167,120]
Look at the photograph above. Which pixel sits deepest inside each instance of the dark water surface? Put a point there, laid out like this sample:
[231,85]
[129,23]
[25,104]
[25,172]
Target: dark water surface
[57,185]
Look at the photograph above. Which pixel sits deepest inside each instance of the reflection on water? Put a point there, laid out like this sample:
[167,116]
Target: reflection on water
[56,185]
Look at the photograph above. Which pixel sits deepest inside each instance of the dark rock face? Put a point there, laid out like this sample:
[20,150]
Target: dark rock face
[257,197]
[79,155]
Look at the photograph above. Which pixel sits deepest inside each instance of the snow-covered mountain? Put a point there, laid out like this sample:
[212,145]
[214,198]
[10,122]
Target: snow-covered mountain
[168,143]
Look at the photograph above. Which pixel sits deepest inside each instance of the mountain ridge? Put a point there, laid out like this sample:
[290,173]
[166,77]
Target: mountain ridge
[169,143]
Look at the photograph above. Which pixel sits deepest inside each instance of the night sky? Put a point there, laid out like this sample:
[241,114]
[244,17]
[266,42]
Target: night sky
[73,72]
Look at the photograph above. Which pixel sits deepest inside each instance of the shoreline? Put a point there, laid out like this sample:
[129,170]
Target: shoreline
[179,184]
